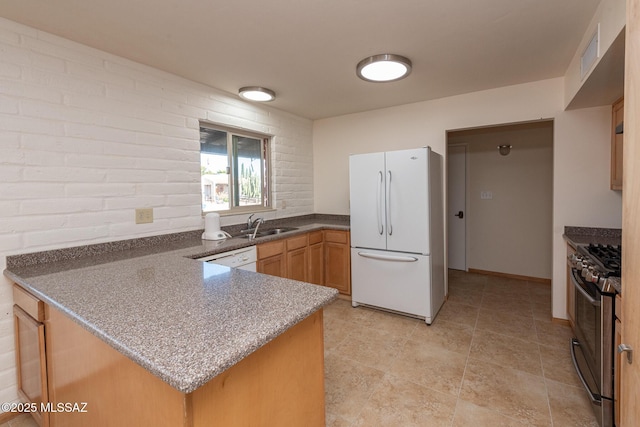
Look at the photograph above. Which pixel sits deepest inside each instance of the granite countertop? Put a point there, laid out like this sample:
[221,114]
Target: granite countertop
[183,320]
[585,235]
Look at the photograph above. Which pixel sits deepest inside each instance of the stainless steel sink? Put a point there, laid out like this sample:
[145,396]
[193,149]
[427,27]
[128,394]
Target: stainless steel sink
[270,231]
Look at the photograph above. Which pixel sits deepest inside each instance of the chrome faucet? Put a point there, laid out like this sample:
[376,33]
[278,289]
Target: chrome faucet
[257,223]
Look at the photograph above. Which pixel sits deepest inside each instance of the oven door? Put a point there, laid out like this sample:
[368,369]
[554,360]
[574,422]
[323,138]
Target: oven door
[586,346]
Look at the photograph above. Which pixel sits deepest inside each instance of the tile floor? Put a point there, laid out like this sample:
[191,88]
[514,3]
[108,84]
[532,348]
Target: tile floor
[491,358]
[21,421]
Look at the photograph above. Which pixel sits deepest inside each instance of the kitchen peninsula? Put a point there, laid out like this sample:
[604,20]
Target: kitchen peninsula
[150,336]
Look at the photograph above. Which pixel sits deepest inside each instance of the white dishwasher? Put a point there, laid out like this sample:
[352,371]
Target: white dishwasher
[244,259]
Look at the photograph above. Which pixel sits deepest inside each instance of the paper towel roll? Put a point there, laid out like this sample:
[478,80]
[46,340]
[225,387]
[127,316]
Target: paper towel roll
[211,223]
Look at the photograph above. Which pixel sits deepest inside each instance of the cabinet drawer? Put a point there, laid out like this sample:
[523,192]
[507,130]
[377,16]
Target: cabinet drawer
[27,302]
[335,236]
[315,237]
[297,242]
[266,250]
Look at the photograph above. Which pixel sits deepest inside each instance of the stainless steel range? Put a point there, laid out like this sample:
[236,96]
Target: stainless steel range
[592,349]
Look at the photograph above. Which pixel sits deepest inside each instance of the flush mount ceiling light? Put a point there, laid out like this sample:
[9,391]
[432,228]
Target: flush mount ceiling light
[257,93]
[383,68]
[505,149]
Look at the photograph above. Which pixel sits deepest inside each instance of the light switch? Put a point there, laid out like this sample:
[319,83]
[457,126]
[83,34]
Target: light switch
[486,195]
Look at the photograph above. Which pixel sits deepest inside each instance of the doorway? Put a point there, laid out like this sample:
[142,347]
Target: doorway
[506,200]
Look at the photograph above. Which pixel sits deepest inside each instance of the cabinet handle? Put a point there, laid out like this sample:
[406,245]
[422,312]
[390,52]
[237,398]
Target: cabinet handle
[624,348]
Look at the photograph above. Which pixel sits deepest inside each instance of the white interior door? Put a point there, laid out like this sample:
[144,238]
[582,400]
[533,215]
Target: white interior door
[456,207]
[408,201]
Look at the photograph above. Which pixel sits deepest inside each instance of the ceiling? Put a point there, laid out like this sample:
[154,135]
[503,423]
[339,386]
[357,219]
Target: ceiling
[307,50]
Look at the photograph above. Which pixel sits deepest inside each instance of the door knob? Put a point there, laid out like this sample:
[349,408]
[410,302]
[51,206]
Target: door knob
[626,348]
[460,214]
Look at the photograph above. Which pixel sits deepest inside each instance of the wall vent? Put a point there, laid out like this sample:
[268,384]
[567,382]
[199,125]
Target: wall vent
[591,54]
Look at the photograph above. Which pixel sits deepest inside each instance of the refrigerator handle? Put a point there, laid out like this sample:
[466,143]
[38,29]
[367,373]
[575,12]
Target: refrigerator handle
[392,258]
[389,227]
[379,204]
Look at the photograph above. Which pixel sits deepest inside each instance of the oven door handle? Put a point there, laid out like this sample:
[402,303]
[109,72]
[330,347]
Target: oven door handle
[574,280]
[596,399]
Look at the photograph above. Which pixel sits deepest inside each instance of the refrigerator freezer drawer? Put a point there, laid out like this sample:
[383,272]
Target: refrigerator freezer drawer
[392,280]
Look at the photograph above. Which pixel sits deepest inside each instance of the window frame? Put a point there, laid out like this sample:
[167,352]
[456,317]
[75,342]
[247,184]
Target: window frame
[265,146]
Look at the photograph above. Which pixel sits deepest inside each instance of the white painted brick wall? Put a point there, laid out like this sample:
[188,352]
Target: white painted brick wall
[86,137]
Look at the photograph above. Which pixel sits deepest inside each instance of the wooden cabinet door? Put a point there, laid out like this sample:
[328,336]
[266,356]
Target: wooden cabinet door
[630,372]
[337,261]
[271,258]
[316,264]
[274,266]
[31,361]
[316,258]
[617,117]
[297,264]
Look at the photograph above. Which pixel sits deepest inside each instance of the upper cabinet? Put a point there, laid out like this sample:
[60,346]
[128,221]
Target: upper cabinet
[595,76]
[617,118]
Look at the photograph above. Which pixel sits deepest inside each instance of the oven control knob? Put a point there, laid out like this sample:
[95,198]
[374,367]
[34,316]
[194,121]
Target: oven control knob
[576,261]
[590,273]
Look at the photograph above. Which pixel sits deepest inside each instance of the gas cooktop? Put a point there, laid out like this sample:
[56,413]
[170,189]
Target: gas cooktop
[607,257]
[599,264]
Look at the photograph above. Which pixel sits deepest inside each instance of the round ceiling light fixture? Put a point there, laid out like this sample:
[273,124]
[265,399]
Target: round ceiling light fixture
[504,149]
[257,93]
[386,67]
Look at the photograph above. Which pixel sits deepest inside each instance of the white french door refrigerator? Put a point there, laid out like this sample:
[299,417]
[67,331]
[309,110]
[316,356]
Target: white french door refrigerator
[397,234]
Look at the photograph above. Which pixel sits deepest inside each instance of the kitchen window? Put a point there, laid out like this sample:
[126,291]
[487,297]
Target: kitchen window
[234,169]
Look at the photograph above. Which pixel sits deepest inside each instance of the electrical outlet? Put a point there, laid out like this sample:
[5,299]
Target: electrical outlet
[144,215]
